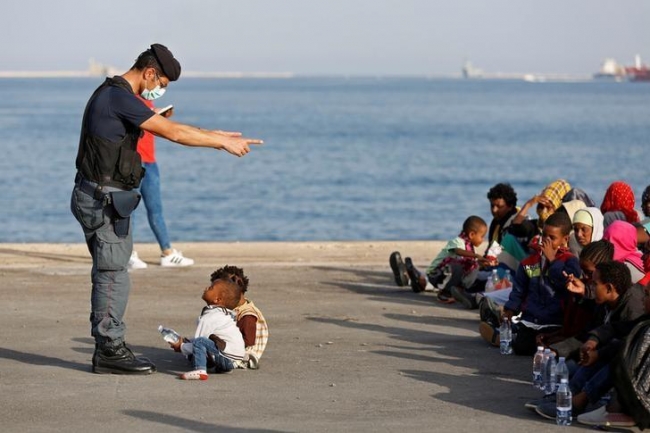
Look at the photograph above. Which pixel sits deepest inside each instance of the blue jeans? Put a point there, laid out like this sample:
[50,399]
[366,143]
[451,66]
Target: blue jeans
[201,348]
[150,190]
[110,253]
[594,380]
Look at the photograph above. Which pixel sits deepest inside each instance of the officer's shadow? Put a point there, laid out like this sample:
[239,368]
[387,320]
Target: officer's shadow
[167,361]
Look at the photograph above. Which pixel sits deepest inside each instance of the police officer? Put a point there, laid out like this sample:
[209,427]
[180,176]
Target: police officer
[108,171]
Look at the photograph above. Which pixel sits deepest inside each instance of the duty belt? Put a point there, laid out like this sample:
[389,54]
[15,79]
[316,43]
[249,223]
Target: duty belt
[92,189]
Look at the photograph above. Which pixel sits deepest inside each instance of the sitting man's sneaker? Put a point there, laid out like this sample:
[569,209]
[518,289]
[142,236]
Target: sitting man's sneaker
[547,410]
[195,375]
[600,417]
[532,404]
[414,275]
[120,360]
[467,299]
[175,259]
[399,269]
[135,262]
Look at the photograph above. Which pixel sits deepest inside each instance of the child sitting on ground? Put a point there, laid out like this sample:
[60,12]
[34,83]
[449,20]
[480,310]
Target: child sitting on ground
[458,258]
[217,336]
[250,320]
[539,289]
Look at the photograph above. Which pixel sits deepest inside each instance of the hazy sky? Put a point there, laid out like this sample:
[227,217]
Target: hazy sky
[369,37]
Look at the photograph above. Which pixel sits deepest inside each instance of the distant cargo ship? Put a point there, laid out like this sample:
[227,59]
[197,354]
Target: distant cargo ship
[611,70]
[638,72]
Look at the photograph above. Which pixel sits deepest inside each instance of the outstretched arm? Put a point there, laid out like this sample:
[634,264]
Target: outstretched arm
[231,142]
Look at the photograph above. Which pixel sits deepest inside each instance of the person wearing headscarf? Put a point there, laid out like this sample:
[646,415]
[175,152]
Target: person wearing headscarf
[588,227]
[624,238]
[571,207]
[579,194]
[546,202]
[618,204]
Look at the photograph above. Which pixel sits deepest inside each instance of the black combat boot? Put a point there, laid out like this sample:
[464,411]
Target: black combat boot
[119,360]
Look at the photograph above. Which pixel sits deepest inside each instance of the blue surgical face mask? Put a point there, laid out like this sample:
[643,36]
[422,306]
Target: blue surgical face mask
[154,93]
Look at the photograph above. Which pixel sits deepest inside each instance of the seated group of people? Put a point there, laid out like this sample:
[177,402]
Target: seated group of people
[580,288]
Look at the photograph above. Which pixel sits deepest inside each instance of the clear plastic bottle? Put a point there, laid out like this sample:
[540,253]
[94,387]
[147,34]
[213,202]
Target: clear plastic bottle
[505,337]
[495,278]
[546,355]
[169,335]
[561,370]
[489,284]
[537,367]
[563,403]
[551,365]
[507,280]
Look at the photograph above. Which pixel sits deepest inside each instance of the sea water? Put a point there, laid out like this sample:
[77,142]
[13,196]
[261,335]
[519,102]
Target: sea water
[343,159]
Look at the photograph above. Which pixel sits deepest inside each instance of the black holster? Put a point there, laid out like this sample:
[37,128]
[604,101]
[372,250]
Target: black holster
[124,203]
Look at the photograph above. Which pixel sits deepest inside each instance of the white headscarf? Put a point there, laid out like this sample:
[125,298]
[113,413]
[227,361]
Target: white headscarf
[592,217]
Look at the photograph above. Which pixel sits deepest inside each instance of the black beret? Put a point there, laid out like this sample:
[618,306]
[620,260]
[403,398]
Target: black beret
[169,65]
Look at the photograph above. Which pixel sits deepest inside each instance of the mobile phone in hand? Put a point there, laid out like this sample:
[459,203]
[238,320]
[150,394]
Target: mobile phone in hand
[165,109]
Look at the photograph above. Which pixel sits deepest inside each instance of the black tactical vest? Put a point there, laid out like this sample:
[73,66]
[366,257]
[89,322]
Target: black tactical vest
[106,162]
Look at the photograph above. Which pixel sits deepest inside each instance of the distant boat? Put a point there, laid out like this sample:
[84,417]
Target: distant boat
[469,71]
[638,72]
[610,70]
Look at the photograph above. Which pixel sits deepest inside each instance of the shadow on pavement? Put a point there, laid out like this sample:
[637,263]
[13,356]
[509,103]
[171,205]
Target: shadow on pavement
[38,359]
[166,360]
[188,424]
[54,256]
[463,367]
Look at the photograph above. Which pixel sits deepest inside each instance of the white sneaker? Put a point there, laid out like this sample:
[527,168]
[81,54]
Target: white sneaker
[175,259]
[135,262]
[600,417]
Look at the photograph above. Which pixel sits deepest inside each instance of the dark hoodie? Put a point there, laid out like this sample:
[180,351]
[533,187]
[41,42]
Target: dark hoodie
[539,290]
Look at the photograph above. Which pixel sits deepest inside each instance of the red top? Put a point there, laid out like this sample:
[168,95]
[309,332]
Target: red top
[146,146]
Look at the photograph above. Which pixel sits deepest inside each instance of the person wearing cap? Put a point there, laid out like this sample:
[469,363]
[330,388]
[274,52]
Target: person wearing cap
[109,171]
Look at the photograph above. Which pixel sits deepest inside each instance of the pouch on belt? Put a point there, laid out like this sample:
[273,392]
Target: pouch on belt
[124,203]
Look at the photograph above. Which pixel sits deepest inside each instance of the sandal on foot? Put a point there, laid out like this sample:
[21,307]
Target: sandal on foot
[445,297]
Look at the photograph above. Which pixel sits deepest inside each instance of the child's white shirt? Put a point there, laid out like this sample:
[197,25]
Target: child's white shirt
[220,322]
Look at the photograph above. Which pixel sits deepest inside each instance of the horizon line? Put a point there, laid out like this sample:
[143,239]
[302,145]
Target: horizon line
[289,75]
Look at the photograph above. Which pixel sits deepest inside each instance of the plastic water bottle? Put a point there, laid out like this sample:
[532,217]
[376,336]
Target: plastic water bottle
[507,280]
[561,370]
[545,356]
[550,382]
[505,337]
[495,278]
[489,284]
[169,335]
[537,367]
[563,404]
